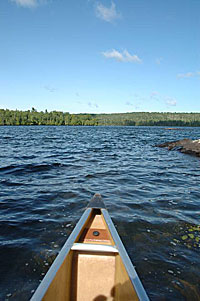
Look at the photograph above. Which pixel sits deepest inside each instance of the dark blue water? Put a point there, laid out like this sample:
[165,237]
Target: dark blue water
[47,177]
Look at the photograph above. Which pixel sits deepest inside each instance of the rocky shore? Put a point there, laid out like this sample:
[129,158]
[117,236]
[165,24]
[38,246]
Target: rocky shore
[186,146]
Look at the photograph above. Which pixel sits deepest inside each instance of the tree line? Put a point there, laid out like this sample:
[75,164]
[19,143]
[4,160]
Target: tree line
[33,117]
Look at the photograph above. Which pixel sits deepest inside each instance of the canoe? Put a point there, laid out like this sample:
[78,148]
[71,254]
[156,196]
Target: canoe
[93,264]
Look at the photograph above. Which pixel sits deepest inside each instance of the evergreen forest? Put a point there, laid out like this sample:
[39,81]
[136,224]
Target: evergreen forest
[33,117]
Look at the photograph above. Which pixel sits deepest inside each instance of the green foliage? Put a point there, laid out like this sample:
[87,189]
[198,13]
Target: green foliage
[10,117]
[33,117]
[150,119]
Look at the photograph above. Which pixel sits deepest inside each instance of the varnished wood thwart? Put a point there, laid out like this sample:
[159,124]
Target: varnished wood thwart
[93,248]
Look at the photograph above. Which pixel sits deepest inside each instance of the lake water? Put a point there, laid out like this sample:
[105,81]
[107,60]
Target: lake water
[47,176]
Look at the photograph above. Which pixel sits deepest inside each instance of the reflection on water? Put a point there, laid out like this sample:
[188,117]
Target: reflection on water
[48,175]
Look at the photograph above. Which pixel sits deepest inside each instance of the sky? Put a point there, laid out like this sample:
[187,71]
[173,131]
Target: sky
[100,56]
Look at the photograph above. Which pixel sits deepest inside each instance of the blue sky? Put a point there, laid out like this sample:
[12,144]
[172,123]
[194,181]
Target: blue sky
[100,56]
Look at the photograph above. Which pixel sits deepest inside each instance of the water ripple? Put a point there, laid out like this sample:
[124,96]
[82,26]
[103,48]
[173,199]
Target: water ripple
[48,175]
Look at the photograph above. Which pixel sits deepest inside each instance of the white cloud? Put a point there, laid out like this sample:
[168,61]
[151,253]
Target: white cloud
[171,101]
[108,14]
[26,3]
[124,56]
[185,75]
[159,60]
[188,74]
[158,97]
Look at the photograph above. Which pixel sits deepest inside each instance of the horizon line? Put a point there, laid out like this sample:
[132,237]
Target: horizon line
[97,113]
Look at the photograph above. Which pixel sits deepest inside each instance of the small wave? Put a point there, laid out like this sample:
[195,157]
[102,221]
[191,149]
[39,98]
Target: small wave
[6,138]
[5,168]
[28,157]
[152,196]
[9,183]
[26,168]
[90,176]
[15,242]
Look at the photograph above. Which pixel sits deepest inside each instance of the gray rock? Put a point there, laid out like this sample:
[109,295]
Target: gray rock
[186,146]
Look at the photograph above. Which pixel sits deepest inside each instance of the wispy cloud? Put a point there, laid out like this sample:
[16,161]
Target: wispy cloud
[50,89]
[108,14]
[171,101]
[188,74]
[137,107]
[123,56]
[92,105]
[26,3]
[185,75]
[159,60]
[128,103]
[154,93]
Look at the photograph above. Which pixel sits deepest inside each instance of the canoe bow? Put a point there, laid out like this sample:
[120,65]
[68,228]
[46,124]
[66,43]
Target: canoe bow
[93,264]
